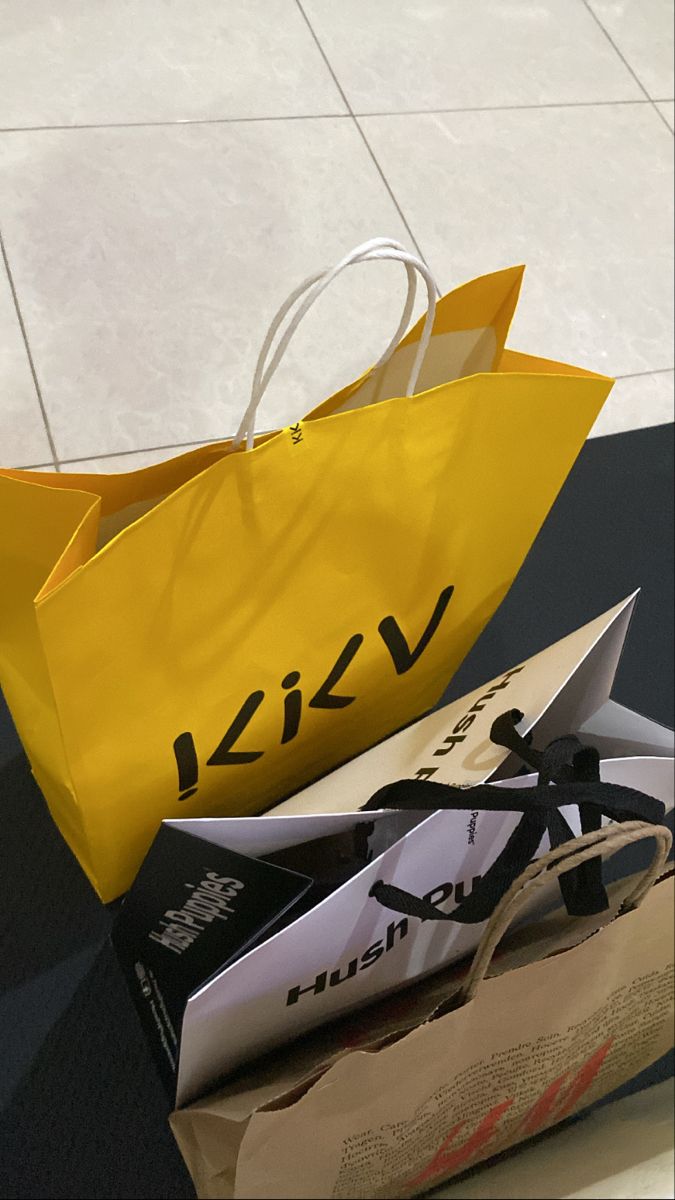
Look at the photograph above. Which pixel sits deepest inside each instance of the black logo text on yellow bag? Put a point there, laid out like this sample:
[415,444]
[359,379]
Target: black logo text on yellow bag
[229,753]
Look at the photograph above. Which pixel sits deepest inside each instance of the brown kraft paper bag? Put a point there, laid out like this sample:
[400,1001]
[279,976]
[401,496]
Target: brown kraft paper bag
[422,1086]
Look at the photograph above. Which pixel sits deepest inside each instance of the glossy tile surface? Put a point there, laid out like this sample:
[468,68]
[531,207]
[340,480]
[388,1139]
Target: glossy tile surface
[642,31]
[83,63]
[149,258]
[582,195]
[427,54]
[23,437]
[150,262]
[667,110]
[637,402]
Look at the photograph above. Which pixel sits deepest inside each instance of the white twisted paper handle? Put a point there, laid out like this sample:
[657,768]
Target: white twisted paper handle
[371,251]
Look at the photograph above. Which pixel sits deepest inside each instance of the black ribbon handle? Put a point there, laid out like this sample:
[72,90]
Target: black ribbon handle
[568,774]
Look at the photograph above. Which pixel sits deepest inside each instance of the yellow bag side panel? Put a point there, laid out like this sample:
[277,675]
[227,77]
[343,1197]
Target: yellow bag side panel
[35,531]
[156,603]
[249,582]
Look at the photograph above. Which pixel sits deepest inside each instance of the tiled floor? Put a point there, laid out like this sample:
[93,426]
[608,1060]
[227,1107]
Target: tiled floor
[170,171]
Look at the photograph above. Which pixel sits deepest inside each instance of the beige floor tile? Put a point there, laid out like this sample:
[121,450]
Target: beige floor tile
[149,263]
[79,63]
[582,195]
[667,109]
[642,30]
[23,439]
[434,54]
[635,403]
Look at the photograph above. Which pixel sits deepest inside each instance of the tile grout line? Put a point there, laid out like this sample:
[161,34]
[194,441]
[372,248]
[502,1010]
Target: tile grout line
[357,126]
[644,374]
[355,118]
[342,116]
[473,108]
[24,334]
[148,449]
[388,186]
[496,108]
[32,467]
[614,46]
[626,63]
[657,110]
[178,123]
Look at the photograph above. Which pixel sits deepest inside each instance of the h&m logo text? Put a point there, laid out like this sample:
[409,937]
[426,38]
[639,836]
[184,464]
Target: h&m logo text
[559,1100]
[229,753]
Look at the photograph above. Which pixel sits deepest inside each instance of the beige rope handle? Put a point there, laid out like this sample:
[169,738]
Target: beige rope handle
[564,858]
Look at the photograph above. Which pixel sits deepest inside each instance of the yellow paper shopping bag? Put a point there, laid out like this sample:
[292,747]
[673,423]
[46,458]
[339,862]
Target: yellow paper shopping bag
[205,636]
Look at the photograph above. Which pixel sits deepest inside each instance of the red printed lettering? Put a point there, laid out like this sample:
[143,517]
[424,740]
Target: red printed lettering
[447,1160]
[551,1106]
[556,1102]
